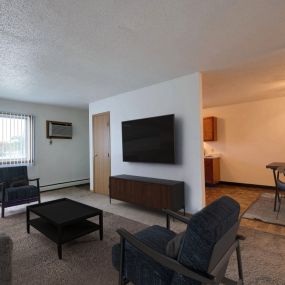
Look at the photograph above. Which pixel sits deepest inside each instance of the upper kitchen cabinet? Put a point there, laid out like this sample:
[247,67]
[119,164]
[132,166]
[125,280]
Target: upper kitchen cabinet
[210,129]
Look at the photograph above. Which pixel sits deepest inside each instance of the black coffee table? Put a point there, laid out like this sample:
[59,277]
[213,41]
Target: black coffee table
[64,220]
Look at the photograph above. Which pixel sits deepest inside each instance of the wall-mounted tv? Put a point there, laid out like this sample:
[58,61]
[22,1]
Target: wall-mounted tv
[149,140]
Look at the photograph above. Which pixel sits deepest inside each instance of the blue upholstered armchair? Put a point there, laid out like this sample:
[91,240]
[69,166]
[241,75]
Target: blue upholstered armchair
[15,188]
[201,256]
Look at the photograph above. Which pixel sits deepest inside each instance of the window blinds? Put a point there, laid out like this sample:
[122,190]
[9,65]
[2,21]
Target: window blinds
[16,139]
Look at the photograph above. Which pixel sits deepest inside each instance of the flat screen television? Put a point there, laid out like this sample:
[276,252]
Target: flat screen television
[149,140]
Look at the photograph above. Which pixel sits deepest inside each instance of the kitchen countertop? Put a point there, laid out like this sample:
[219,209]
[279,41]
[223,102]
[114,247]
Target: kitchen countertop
[212,156]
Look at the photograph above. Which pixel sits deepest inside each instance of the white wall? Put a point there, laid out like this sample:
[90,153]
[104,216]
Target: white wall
[181,97]
[250,135]
[65,159]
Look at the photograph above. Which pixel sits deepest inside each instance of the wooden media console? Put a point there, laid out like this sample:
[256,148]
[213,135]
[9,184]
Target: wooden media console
[148,192]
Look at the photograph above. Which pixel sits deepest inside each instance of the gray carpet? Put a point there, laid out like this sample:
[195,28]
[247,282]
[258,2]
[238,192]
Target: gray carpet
[262,210]
[88,260]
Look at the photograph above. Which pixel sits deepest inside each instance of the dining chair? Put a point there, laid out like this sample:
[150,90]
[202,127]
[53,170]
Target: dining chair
[280,186]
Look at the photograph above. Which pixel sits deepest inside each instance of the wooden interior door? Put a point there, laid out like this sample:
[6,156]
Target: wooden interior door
[101,153]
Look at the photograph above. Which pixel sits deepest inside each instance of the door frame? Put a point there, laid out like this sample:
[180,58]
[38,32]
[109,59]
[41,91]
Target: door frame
[93,144]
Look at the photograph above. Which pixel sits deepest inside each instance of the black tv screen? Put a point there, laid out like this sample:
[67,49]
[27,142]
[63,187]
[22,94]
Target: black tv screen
[149,140]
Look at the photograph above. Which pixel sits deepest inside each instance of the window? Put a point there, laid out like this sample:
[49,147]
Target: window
[16,139]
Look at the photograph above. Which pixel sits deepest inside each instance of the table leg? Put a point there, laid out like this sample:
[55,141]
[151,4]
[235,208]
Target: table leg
[59,245]
[167,221]
[28,219]
[59,251]
[101,225]
[276,189]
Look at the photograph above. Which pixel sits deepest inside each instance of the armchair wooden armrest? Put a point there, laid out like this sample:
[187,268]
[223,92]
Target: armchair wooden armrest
[38,184]
[162,259]
[174,215]
[34,179]
[2,188]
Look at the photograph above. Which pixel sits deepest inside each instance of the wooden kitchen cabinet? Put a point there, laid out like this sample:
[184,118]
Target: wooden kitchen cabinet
[212,170]
[210,129]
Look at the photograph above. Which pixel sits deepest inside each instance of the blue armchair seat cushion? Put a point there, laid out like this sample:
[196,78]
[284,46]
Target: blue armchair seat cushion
[139,268]
[20,193]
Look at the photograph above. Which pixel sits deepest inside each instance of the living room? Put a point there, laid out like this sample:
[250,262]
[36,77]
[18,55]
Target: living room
[84,197]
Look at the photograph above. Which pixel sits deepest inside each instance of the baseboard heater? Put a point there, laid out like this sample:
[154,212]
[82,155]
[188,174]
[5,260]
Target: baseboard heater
[86,180]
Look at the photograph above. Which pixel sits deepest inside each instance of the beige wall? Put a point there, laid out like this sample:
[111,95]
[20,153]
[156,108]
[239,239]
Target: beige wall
[250,135]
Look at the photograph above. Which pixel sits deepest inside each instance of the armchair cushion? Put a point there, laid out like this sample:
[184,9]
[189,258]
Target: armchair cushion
[139,268]
[19,181]
[20,193]
[10,174]
[173,246]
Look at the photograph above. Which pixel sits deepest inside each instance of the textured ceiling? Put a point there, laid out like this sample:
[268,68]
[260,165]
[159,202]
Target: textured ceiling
[72,52]
[263,78]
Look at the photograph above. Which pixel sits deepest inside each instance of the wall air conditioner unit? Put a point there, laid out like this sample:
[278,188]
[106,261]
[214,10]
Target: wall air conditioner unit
[59,130]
